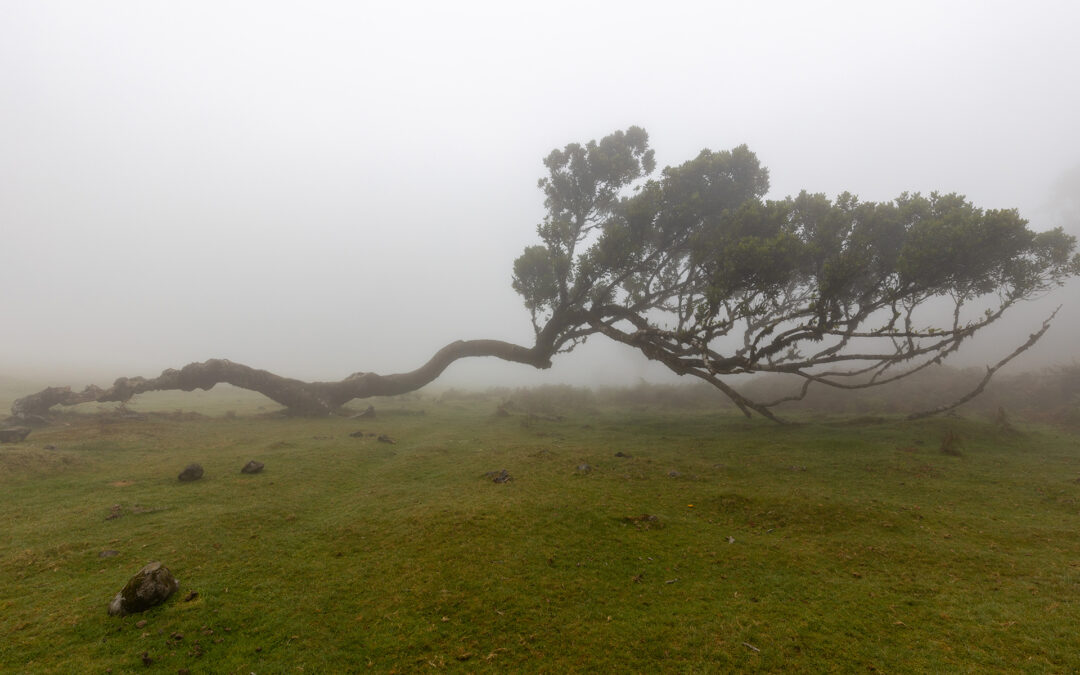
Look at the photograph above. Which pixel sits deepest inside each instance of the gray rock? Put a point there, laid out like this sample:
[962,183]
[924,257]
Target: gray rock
[502,476]
[584,468]
[152,585]
[252,467]
[108,554]
[192,472]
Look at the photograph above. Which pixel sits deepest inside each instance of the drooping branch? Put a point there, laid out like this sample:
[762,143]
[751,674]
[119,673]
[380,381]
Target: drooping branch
[990,370]
[298,397]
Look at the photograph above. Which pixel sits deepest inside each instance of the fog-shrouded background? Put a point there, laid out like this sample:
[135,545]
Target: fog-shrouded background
[323,187]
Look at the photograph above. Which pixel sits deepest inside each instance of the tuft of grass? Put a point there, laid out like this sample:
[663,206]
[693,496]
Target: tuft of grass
[697,542]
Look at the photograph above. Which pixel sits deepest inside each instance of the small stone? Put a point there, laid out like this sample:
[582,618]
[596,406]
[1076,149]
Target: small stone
[674,474]
[622,454]
[141,623]
[358,434]
[49,446]
[252,467]
[109,553]
[383,438]
[191,596]
[192,472]
[584,468]
[502,476]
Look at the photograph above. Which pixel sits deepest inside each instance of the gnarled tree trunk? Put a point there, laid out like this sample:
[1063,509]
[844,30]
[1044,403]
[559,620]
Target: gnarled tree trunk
[298,397]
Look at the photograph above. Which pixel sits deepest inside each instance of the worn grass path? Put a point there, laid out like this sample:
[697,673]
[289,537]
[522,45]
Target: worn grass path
[809,548]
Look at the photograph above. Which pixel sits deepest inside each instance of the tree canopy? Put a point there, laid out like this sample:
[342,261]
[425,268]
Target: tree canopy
[696,269]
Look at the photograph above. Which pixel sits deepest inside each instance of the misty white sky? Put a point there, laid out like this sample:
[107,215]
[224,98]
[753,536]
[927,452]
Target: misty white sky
[323,187]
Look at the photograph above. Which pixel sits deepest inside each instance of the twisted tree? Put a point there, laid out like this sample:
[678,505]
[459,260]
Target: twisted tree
[697,270]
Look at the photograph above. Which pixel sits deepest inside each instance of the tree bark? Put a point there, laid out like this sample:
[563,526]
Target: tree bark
[298,397]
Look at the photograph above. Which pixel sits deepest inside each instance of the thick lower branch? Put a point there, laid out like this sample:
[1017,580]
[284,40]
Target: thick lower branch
[303,398]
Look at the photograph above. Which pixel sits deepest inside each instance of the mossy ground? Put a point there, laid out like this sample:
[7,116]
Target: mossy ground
[814,547]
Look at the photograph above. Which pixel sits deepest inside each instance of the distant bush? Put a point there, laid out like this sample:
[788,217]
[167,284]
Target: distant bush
[1047,394]
[550,399]
[1050,395]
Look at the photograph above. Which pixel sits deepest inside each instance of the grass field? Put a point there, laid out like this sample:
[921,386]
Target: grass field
[717,544]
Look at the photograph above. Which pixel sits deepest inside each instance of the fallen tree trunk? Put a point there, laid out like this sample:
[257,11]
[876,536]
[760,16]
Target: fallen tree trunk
[298,397]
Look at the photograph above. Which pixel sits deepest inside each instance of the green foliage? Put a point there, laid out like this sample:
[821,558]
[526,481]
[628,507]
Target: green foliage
[673,265]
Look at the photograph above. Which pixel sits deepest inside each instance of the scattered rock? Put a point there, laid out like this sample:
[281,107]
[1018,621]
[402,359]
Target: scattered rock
[674,474]
[358,434]
[192,472]
[14,434]
[152,585]
[108,554]
[622,454]
[584,468]
[645,522]
[383,438]
[252,467]
[501,476]
[141,623]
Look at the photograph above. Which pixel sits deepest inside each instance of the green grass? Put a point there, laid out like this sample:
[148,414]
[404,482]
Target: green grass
[815,547]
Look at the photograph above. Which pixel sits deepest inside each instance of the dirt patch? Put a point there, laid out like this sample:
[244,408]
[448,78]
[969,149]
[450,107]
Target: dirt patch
[645,521]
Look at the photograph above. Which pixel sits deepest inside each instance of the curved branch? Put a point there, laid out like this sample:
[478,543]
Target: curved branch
[302,398]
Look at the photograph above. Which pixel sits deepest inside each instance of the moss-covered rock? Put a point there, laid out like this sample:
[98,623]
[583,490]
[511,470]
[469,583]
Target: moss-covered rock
[151,586]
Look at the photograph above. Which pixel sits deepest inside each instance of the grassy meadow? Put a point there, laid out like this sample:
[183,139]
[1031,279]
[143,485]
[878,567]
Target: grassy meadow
[712,544]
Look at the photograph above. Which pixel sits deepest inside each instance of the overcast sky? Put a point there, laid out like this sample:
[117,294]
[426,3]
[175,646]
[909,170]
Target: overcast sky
[323,187]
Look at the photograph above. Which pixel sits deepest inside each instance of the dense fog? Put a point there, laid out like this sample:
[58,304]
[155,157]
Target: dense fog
[321,188]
